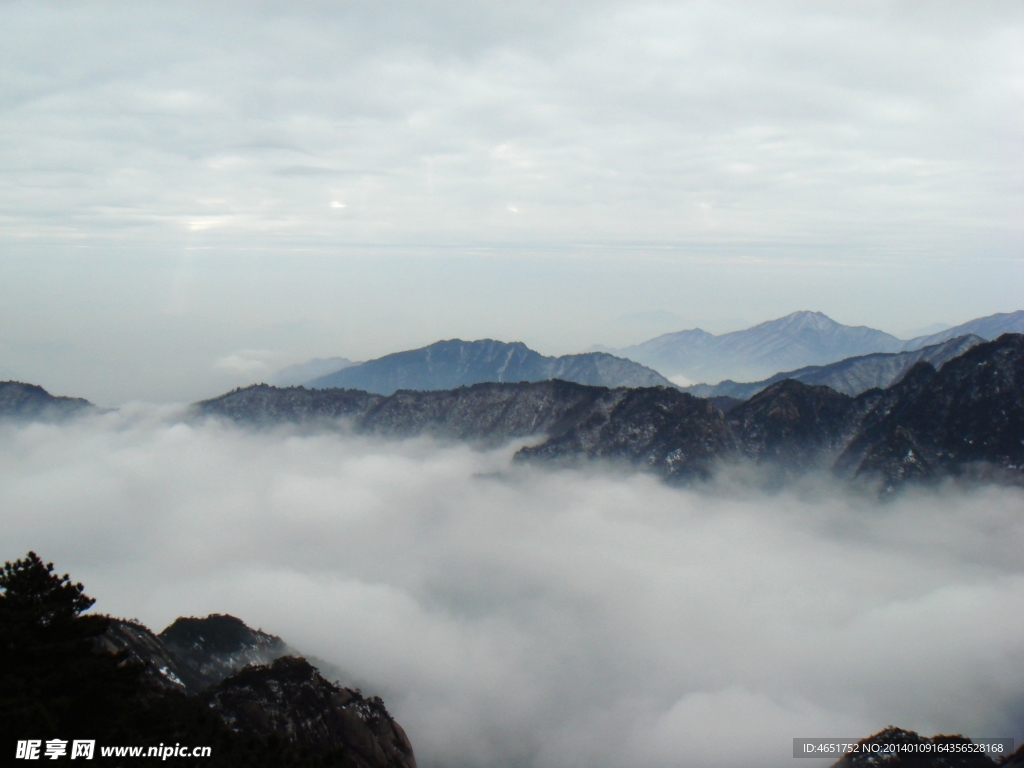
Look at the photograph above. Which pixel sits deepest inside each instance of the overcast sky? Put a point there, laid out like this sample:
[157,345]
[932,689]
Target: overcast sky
[195,194]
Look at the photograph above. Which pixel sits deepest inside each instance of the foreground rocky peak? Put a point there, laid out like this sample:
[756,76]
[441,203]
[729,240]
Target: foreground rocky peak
[209,649]
[290,698]
[242,677]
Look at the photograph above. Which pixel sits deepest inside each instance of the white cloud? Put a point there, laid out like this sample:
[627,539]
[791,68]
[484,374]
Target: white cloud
[247,362]
[517,616]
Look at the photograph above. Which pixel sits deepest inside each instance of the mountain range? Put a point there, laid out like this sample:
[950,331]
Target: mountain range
[851,376]
[457,363]
[965,419]
[795,344]
[789,343]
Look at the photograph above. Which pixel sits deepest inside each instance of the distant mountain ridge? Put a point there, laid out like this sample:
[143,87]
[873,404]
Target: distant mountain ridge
[988,328]
[796,341]
[456,363]
[851,376]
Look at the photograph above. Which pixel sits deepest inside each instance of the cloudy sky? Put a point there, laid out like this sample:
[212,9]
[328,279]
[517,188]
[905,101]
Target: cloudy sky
[193,194]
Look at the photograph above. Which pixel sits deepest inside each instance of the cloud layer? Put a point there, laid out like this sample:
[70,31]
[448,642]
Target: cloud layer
[517,616]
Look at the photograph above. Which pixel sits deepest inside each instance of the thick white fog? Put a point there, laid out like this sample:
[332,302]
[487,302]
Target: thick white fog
[522,616]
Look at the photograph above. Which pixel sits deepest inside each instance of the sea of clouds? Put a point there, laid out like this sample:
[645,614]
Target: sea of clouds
[522,616]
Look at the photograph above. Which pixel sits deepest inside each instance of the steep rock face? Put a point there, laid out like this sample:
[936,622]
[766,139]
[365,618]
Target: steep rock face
[790,342]
[869,757]
[457,363]
[291,699]
[851,376]
[210,649]
[969,413]
[30,401]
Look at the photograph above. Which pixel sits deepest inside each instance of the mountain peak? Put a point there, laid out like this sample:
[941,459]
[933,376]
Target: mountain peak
[455,363]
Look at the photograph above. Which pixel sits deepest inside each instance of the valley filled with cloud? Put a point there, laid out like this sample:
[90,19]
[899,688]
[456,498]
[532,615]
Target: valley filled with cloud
[511,614]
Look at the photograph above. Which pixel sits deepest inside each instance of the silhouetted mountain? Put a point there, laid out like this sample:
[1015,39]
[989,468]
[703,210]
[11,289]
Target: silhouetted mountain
[791,342]
[851,376]
[30,401]
[300,373]
[455,363]
[927,425]
[988,328]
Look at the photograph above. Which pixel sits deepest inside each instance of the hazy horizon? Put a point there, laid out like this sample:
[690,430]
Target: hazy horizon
[194,192]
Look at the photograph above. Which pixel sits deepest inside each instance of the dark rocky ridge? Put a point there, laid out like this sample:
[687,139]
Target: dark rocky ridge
[455,363]
[928,425]
[30,401]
